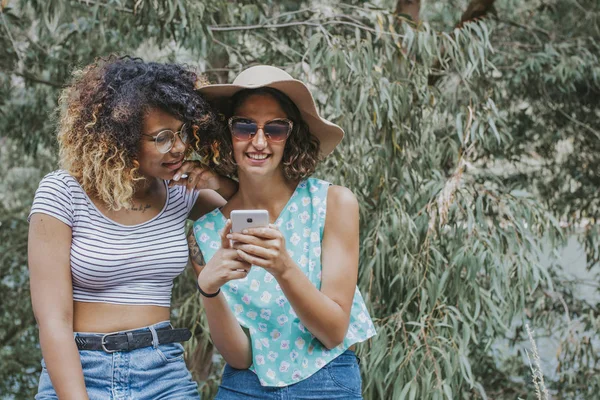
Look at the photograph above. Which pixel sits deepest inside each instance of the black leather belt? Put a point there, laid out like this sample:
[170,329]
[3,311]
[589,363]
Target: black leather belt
[127,341]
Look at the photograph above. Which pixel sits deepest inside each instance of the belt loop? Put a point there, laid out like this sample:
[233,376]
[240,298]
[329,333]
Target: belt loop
[154,337]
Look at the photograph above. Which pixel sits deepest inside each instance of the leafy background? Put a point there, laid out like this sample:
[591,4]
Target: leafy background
[473,145]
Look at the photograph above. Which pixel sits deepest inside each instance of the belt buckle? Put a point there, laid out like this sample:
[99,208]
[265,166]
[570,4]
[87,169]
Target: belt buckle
[103,343]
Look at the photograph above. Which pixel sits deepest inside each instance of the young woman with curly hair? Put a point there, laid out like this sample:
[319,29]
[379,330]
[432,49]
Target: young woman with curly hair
[281,300]
[107,237]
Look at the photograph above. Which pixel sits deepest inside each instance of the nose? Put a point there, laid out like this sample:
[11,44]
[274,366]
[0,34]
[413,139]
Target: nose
[259,141]
[178,145]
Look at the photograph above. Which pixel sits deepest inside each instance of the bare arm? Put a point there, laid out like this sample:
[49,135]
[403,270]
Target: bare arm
[51,288]
[226,333]
[325,313]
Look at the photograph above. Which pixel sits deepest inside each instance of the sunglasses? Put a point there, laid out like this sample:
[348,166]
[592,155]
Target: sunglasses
[276,130]
[165,140]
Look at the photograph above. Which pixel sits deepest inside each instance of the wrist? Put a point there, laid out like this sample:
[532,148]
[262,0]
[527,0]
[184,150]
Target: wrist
[208,294]
[286,273]
[207,289]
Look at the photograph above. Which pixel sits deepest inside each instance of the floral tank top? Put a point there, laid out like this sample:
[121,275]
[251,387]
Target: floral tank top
[283,350]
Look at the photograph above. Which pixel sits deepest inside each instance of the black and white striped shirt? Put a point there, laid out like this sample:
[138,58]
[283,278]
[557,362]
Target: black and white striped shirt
[115,263]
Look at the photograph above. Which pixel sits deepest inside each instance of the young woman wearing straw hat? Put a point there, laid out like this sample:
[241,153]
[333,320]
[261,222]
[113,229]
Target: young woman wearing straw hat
[281,301]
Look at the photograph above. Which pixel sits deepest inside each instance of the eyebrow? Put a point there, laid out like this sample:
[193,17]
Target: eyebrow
[156,132]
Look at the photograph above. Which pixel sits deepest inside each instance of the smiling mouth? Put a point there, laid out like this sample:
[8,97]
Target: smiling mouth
[259,157]
[173,165]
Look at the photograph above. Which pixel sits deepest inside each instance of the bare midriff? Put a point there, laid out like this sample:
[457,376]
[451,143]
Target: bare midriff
[106,318]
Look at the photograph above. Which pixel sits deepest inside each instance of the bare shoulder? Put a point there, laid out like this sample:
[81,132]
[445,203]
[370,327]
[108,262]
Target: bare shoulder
[341,199]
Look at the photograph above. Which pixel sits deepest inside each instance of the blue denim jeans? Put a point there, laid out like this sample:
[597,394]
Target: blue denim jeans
[149,373]
[340,379]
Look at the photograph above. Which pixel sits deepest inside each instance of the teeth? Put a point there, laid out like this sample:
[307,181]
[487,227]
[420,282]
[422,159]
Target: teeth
[257,156]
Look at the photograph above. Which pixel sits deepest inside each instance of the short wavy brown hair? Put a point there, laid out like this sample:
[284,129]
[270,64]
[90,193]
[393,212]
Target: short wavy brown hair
[301,152]
[101,117]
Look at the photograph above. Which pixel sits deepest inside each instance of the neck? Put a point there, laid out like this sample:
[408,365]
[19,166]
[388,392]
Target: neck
[269,193]
[145,187]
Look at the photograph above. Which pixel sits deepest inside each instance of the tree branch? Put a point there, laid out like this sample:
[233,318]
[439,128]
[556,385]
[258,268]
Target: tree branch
[476,9]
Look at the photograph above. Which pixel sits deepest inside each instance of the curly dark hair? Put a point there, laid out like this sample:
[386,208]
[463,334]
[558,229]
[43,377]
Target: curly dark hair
[101,117]
[301,152]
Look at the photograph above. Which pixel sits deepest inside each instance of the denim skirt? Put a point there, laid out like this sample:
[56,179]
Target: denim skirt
[148,373]
[340,379]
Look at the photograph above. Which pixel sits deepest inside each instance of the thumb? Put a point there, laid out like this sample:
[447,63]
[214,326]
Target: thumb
[225,243]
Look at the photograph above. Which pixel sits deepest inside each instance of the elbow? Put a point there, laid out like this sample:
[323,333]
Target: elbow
[335,338]
[239,364]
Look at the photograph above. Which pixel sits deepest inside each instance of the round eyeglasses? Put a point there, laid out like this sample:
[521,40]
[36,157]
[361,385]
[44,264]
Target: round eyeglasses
[276,130]
[165,140]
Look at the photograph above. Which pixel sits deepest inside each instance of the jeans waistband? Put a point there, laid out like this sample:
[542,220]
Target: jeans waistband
[158,325]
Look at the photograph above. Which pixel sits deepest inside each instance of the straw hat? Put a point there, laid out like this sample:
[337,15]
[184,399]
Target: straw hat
[328,133]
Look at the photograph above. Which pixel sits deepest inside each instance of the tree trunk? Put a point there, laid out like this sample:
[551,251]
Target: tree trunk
[410,8]
[475,10]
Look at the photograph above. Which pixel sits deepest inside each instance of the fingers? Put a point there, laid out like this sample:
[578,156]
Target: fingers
[252,260]
[225,243]
[253,250]
[261,233]
[185,168]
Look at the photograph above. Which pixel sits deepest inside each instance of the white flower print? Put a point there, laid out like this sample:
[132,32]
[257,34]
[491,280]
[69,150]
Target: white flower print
[300,343]
[260,360]
[268,277]
[233,287]
[317,251]
[265,313]
[304,217]
[322,212]
[301,327]
[271,373]
[314,189]
[316,201]
[202,218]
[293,207]
[289,225]
[349,335]
[290,252]
[215,245]
[311,265]
[258,344]
[251,315]
[285,345]
[296,375]
[265,342]
[246,299]
[265,297]
[305,363]
[275,334]
[254,285]
[278,223]
[203,237]
[303,261]
[305,201]
[315,237]
[210,225]
[238,308]
[294,355]
[295,239]
[325,352]
[278,288]
[284,366]
[362,317]
[281,300]
[282,319]
[305,247]
[302,185]
[272,356]
[293,313]
[262,327]
[306,232]
[320,363]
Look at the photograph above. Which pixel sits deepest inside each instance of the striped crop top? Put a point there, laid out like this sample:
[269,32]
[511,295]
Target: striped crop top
[115,263]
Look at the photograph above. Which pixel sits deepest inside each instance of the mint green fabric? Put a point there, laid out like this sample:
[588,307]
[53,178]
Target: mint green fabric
[283,350]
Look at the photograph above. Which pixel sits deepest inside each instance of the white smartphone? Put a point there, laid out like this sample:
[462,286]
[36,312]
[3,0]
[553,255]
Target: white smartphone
[244,219]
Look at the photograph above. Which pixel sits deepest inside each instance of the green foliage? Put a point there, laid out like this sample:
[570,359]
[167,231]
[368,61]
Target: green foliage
[462,185]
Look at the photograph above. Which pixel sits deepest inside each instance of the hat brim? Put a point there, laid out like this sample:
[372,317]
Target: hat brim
[328,133]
